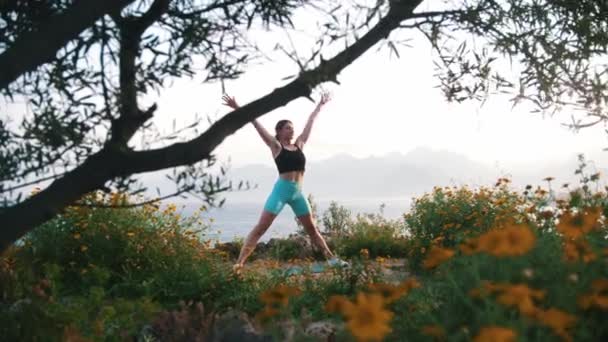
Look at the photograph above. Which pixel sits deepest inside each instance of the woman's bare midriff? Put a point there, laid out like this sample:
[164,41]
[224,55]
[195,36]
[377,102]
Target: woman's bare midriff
[294,176]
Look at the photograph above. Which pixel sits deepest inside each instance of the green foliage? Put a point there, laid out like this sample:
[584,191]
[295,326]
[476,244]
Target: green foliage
[96,263]
[446,299]
[374,233]
[449,216]
[337,219]
[285,249]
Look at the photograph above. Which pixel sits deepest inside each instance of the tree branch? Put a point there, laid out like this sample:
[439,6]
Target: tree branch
[131,29]
[113,162]
[35,48]
[436,13]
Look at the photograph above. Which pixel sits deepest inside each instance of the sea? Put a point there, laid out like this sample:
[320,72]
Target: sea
[235,219]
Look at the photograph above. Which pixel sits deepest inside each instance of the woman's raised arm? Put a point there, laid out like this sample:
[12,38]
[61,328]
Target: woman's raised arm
[303,138]
[267,137]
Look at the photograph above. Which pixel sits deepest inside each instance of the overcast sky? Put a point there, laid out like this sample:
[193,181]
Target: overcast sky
[383,105]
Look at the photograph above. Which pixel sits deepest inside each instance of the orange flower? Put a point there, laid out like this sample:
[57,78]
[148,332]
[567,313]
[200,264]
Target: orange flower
[436,256]
[279,295]
[514,240]
[469,247]
[593,300]
[559,321]
[576,250]
[266,313]
[389,292]
[338,304]
[597,298]
[364,252]
[434,331]
[495,334]
[599,285]
[575,226]
[520,296]
[367,319]
[486,288]
[410,284]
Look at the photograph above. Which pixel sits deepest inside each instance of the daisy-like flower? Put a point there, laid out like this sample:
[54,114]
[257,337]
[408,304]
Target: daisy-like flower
[367,318]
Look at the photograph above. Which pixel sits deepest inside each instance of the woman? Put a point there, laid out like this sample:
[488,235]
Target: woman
[290,161]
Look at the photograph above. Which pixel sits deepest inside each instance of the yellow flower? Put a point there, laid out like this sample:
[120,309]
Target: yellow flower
[434,331]
[436,256]
[364,252]
[367,319]
[559,321]
[495,334]
[84,248]
[130,234]
[76,236]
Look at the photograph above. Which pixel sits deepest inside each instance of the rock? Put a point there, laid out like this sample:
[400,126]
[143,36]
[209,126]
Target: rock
[322,330]
[236,326]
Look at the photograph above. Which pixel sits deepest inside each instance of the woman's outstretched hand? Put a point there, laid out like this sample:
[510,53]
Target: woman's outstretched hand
[229,101]
[325,97]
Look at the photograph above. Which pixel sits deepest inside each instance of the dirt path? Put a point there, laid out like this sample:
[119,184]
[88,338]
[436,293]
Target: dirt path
[392,270]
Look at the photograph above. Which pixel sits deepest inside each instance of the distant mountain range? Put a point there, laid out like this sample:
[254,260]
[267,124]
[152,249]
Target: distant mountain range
[397,175]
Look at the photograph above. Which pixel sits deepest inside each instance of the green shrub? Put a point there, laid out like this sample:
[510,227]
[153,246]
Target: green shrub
[372,232]
[137,258]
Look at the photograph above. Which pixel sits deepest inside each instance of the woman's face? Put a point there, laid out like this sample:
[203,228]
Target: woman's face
[286,132]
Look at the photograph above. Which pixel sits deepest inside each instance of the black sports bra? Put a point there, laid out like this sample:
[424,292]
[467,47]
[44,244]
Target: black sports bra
[288,160]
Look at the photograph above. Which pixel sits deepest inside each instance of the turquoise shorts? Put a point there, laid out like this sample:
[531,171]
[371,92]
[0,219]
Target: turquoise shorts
[287,192]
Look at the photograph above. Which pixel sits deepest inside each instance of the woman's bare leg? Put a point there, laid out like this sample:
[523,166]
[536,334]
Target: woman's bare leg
[315,236]
[252,239]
